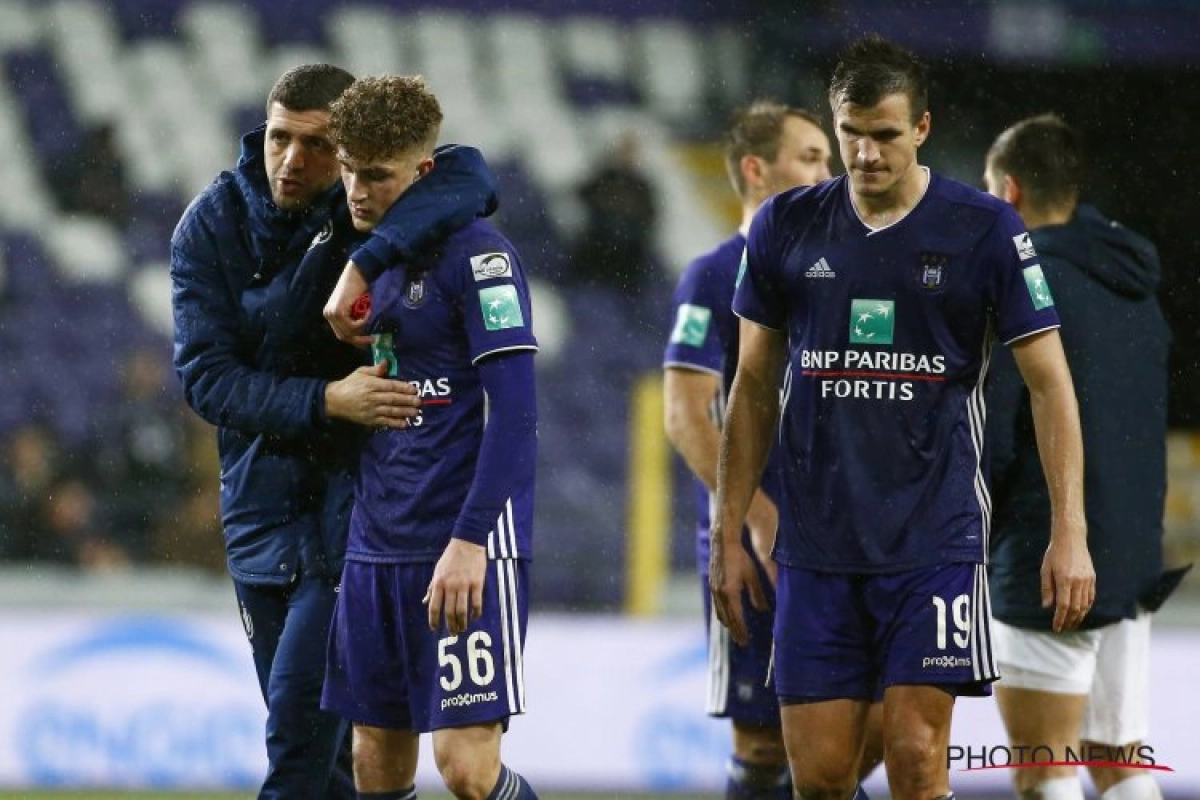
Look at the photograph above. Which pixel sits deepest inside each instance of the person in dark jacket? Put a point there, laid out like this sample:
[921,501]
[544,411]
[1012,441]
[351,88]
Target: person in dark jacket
[1103,277]
[290,402]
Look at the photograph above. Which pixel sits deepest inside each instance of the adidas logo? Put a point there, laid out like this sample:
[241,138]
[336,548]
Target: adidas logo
[820,269]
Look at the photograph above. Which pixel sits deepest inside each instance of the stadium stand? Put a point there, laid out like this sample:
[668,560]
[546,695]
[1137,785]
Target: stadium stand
[544,95]
[543,88]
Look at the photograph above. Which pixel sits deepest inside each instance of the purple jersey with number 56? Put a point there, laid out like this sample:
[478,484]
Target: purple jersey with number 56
[444,312]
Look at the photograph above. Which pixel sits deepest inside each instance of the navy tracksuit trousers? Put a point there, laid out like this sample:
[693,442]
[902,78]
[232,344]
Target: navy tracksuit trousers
[308,750]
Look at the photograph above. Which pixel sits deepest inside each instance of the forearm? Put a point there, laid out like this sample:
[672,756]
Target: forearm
[745,445]
[697,439]
[698,442]
[508,450]
[231,395]
[1060,448]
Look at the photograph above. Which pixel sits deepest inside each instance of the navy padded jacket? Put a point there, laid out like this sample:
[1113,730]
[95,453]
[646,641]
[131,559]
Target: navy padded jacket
[254,353]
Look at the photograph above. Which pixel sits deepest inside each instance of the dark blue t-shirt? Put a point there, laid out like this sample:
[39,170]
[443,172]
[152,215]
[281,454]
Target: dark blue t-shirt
[889,333]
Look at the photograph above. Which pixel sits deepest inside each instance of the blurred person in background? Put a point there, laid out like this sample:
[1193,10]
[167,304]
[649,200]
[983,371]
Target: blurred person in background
[880,292]
[290,402]
[92,180]
[51,510]
[615,249]
[1088,687]
[769,148]
[429,627]
[75,530]
[143,462]
[27,474]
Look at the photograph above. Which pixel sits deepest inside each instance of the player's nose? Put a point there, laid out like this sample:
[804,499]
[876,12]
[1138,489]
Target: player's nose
[293,157]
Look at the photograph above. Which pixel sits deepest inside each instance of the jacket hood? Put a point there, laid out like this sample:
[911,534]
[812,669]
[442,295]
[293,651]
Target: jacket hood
[1124,261]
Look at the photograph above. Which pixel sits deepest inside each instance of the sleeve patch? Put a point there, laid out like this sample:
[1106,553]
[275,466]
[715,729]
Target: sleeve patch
[1039,290]
[490,265]
[691,325]
[1024,245]
[500,307]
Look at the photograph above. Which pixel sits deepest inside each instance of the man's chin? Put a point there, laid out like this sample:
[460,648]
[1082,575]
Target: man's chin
[362,225]
[871,188]
[289,202]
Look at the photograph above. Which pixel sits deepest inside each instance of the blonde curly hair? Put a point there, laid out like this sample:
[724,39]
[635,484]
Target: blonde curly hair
[380,117]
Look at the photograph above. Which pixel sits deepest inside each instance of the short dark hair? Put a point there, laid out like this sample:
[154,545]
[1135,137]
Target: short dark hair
[309,87]
[755,130]
[384,116]
[873,68]
[1044,154]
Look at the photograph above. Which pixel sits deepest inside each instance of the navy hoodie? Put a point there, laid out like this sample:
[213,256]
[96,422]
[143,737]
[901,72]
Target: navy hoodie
[254,353]
[1103,278]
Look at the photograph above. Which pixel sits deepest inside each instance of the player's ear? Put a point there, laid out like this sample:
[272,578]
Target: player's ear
[1012,191]
[424,166]
[752,170]
[923,126]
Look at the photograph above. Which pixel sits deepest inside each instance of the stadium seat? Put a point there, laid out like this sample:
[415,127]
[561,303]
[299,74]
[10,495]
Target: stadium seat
[367,41]
[19,26]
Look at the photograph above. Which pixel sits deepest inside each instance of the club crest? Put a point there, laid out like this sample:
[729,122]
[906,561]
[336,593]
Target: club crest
[414,290]
[931,271]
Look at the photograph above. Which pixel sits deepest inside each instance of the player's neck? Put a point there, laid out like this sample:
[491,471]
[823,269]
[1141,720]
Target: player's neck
[890,208]
[748,211]
[1042,219]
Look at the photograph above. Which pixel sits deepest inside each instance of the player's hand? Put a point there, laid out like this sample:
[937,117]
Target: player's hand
[731,574]
[339,309]
[1068,580]
[762,520]
[456,590]
[368,397]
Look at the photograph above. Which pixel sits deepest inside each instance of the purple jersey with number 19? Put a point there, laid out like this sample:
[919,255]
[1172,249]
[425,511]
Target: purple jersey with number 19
[889,332]
[435,321]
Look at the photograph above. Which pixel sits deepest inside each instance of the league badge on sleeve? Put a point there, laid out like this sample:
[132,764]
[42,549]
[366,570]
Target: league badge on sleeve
[501,307]
[1039,290]
[691,325]
[490,265]
[1024,246]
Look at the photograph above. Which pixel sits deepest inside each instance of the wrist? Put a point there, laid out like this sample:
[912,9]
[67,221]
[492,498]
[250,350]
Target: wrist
[328,401]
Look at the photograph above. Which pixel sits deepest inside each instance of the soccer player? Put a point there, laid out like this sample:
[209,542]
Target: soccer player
[768,148]
[257,361]
[430,624]
[881,291]
[1090,687]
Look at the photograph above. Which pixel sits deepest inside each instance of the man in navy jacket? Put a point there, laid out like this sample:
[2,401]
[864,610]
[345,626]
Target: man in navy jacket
[1090,686]
[290,402]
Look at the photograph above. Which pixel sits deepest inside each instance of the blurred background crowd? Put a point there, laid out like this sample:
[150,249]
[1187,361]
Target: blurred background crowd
[598,116]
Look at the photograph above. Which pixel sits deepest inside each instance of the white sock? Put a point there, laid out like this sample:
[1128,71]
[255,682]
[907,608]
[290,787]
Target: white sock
[1067,787]
[1139,787]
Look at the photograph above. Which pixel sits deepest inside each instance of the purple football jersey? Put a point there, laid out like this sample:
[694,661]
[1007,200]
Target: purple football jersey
[704,337]
[434,321]
[889,332]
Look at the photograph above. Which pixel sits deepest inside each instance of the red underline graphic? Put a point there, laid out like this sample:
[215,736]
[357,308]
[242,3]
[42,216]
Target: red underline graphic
[829,373]
[1113,764]
[436,401]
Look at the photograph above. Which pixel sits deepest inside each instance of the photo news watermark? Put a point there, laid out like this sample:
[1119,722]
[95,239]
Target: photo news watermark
[972,758]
